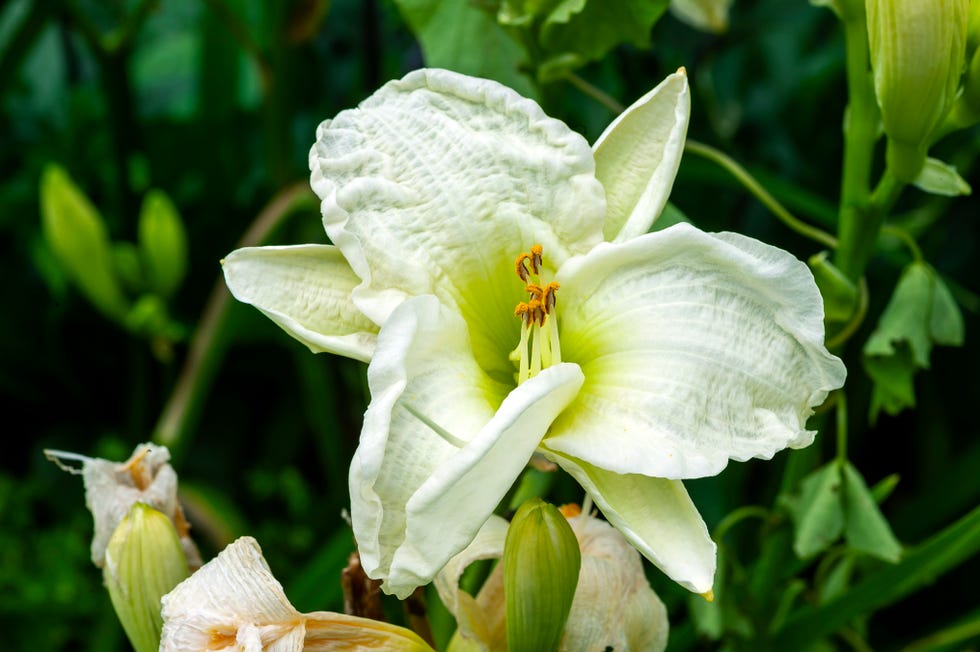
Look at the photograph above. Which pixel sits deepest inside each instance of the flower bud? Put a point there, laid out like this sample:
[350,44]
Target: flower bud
[144,562]
[917,54]
[163,244]
[541,567]
[705,15]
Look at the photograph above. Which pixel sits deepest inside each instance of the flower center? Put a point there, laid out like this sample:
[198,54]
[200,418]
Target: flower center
[539,347]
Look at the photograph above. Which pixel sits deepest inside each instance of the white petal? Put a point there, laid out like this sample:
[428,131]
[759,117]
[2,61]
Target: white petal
[438,181]
[234,596]
[656,516]
[306,289]
[435,456]
[614,606]
[474,619]
[637,157]
[696,348]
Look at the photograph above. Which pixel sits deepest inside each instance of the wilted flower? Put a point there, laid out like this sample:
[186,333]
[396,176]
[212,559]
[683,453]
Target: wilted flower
[632,360]
[112,488]
[234,603]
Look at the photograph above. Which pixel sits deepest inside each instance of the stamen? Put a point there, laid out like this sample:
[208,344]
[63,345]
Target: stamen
[550,296]
[536,251]
[520,267]
[538,349]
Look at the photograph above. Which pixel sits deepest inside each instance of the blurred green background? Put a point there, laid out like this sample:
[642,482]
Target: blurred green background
[216,103]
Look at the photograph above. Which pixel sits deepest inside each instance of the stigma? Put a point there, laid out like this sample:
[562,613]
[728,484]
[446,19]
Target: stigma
[539,347]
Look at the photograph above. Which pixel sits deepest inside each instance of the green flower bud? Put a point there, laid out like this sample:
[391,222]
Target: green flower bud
[163,244]
[541,567]
[144,562]
[917,55]
[76,234]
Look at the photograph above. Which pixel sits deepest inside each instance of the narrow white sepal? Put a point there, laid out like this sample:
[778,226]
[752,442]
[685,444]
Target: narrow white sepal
[637,157]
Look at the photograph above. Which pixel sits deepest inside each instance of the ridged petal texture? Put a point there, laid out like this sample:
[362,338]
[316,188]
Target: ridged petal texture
[437,181]
[696,348]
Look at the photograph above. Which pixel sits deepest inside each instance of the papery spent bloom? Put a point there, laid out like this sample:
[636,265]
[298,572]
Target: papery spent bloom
[613,607]
[235,603]
[112,488]
[632,360]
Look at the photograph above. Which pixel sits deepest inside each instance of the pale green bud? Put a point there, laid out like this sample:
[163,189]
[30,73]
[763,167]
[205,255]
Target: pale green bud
[76,234]
[144,562]
[541,567]
[163,244]
[917,55]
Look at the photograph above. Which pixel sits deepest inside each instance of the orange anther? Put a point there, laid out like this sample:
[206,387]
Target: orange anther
[535,291]
[521,268]
[550,296]
[523,311]
[536,251]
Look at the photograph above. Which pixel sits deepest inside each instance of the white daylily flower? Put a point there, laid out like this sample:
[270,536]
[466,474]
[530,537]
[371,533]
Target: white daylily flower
[614,606]
[235,603]
[665,355]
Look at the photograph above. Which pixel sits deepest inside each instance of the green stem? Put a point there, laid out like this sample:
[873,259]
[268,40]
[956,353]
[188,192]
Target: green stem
[855,232]
[841,428]
[737,516]
[185,400]
[856,320]
[907,240]
[595,93]
[951,636]
[760,193]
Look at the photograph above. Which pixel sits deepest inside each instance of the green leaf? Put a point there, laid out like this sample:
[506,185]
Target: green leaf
[906,317]
[893,389]
[940,178]
[587,30]
[919,567]
[457,35]
[163,244]
[78,237]
[920,313]
[840,295]
[818,513]
[865,526]
[945,320]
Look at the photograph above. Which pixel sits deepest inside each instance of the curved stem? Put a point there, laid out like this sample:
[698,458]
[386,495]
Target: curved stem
[595,93]
[737,516]
[760,193]
[841,428]
[906,239]
[175,420]
[851,327]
